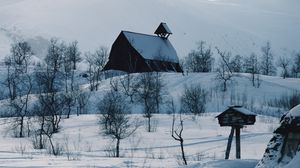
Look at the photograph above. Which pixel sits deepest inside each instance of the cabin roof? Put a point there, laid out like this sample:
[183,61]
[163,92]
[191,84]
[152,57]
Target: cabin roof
[163,28]
[152,47]
[243,110]
[290,122]
[295,112]
[238,109]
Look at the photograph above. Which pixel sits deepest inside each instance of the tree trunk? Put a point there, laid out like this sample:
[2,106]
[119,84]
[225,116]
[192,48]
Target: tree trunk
[69,111]
[118,148]
[74,64]
[28,128]
[72,80]
[253,79]
[21,127]
[225,86]
[149,124]
[52,146]
[182,152]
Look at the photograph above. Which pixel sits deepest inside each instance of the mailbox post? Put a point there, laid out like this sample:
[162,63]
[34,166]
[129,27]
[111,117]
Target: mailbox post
[235,117]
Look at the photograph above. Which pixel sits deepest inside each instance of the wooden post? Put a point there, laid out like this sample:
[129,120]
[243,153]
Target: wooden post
[238,142]
[229,143]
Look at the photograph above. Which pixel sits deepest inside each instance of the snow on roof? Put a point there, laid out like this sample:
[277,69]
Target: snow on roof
[295,112]
[166,27]
[152,47]
[243,110]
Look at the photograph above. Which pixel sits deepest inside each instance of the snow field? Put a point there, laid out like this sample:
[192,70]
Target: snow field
[81,138]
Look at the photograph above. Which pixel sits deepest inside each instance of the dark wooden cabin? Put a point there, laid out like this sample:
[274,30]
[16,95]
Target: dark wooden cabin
[135,52]
[236,116]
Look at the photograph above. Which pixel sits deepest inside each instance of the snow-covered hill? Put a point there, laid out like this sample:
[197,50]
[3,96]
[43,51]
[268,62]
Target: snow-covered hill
[240,91]
[240,26]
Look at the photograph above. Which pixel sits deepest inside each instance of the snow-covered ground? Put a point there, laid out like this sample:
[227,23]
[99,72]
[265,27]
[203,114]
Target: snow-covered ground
[239,26]
[204,141]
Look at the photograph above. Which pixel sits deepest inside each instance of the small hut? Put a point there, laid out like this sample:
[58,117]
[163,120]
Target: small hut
[236,117]
[135,52]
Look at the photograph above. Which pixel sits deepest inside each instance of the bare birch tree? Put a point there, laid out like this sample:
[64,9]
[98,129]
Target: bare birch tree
[114,119]
[224,72]
[267,60]
[177,130]
[284,63]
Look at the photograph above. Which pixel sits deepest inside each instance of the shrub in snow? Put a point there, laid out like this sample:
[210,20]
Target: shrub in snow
[193,100]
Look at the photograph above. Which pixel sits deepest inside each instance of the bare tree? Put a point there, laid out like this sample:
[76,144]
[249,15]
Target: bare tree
[128,87]
[67,68]
[70,58]
[82,100]
[96,62]
[19,83]
[158,90]
[17,64]
[193,100]
[177,132]
[49,107]
[236,64]
[224,72]
[45,128]
[50,101]
[12,79]
[69,102]
[20,108]
[73,54]
[114,118]
[296,65]
[89,57]
[49,81]
[21,53]
[100,61]
[54,57]
[40,114]
[251,66]
[146,95]
[284,63]
[199,60]
[267,60]
[46,120]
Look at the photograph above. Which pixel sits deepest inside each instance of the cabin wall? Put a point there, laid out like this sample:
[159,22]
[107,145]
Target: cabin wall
[163,66]
[124,57]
